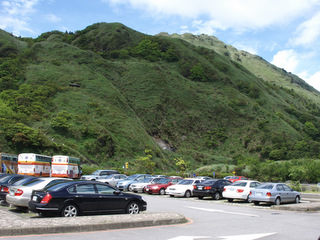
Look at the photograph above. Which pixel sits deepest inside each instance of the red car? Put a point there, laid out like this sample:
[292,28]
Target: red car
[237,178]
[161,186]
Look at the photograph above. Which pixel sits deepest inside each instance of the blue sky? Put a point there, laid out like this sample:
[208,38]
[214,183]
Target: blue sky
[283,32]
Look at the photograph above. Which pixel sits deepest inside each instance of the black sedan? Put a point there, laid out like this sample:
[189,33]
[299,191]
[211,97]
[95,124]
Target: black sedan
[73,198]
[210,188]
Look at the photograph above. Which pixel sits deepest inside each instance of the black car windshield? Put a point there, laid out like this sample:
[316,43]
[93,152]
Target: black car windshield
[209,182]
[186,182]
[265,186]
[58,186]
[164,181]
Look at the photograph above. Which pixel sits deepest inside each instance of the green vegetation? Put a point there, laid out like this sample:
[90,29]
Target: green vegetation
[106,93]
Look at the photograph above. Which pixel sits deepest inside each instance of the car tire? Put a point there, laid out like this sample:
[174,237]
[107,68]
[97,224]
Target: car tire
[187,194]
[216,196]
[128,188]
[70,210]
[200,197]
[297,199]
[230,199]
[162,191]
[277,201]
[133,208]
[144,190]
[256,203]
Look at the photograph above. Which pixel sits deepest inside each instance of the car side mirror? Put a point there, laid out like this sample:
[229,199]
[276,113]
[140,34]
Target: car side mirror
[116,192]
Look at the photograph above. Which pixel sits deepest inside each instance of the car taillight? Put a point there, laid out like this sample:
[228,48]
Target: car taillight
[224,189]
[46,199]
[19,192]
[207,187]
[194,187]
[239,190]
[5,189]
[250,193]
[269,194]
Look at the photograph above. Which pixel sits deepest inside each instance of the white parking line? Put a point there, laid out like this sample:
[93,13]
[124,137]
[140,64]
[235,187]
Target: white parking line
[221,211]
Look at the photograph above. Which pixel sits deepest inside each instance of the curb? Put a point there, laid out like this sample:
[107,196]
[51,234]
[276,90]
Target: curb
[314,206]
[42,225]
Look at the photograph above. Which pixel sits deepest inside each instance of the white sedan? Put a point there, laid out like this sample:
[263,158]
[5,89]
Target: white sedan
[140,186]
[19,196]
[239,190]
[184,188]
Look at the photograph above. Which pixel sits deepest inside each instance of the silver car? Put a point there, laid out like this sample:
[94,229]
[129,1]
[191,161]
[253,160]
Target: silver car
[112,179]
[274,193]
[19,196]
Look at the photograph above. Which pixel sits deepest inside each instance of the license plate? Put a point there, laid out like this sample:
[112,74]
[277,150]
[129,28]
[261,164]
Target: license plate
[259,194]
[200,188]
[34,198]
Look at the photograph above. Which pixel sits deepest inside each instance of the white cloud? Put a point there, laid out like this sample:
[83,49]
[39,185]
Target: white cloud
[53,18]
[314,80]
[228,14]
[287,59]
[308,32]
[15,15]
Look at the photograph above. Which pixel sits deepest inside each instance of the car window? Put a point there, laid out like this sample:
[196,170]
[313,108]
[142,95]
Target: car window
[286,188]
[280,188]
[85,189]
[175,180]
[103,189]
[253,184]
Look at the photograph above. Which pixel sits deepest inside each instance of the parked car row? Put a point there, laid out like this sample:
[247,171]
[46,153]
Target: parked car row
[232,188]
[107,194]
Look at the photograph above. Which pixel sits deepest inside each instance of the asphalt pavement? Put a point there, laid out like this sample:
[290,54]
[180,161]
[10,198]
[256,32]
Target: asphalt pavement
[15,223]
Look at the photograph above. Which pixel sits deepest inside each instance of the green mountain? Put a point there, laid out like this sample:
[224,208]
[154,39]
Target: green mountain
[110,95]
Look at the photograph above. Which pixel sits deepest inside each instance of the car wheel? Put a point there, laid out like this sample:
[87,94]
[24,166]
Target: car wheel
[128,188]
[200,197]
[256,203]
[70,210]
[230,199]
[133,208]
[187,194]
[278,201]
[216,196]
[144,189]
[297,200]
[162,191]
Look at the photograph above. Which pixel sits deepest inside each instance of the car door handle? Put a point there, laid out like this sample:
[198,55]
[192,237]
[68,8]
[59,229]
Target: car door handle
[78,196]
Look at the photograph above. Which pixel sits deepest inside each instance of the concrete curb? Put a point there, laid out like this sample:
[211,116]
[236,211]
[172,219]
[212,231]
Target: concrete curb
[40,225]
[303,206]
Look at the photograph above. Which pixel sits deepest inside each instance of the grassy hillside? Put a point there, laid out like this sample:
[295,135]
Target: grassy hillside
[107,92]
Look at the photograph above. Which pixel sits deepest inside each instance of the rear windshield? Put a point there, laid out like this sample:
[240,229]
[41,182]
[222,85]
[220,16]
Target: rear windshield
[240,184]
[164,181]
[33,182]
[265,186]
[186,182]
[57,186]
